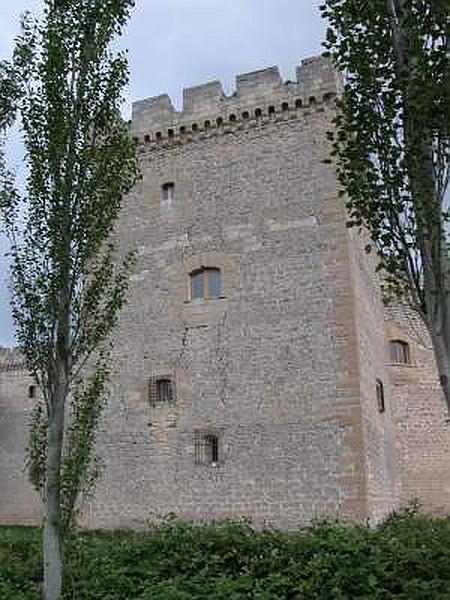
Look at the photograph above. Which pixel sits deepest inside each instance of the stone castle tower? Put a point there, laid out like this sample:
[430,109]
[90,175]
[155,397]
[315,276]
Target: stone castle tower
[256,372]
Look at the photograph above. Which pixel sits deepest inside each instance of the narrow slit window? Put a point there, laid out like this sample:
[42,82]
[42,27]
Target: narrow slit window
[380,396]
[168,191]
[32,391]
[399,352]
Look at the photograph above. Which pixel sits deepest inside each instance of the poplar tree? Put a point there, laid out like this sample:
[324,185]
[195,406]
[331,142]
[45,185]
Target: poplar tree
[391,144]
[64,88]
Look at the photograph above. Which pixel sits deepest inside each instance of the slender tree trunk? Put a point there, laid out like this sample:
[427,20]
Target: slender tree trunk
[52,542]
[442,354]
[53,538]
[439,327]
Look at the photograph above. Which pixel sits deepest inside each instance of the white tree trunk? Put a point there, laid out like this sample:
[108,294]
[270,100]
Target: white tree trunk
[52,542]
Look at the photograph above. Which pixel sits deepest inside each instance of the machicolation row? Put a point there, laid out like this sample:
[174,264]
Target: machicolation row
[260,97]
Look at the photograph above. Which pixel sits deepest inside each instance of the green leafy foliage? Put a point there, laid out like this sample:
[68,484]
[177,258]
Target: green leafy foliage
[391,145]
[64,87]
[407,557]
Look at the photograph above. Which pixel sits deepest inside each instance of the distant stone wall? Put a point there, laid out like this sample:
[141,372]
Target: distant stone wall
[419,413]
[19,504]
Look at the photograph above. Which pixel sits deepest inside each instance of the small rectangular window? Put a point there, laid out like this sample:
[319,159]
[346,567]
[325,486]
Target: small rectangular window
[205,283]
[168,190]
[32,391]
[206,448]
[161,390]
[399,352]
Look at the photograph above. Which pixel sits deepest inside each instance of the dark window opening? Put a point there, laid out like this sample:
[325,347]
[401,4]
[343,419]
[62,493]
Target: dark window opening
[205,283]
[168,190]
[32,391]
[271,110]
[158,136]
[258,113]
[399,352]
[182,129]
[206,448]
[245,115]
[312,100]
[170,133]
[219,121]
[298,103]
[161,390]
[207,124]
[147,138]
[194,127]
[285,106]
[232,118]
[380,396]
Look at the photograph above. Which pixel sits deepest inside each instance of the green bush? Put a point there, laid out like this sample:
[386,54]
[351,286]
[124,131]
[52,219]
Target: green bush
[407,557]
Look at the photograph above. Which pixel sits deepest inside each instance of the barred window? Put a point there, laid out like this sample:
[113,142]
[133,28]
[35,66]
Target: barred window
[205,283]
[206,447]
[380,395]
[161,390]
[399,352]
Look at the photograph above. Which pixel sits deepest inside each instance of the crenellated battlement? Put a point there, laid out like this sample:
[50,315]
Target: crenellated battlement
[260,96]
[11,359]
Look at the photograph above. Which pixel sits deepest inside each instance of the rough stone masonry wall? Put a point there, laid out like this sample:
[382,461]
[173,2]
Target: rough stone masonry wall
[19,504]
[260,366]
[378,427]
[419,414]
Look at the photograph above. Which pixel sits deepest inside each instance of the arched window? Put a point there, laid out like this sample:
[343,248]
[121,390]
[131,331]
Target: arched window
[205,283]
[399,352]
[380,395]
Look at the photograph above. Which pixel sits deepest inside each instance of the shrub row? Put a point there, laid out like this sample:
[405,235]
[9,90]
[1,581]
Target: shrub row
[407,557]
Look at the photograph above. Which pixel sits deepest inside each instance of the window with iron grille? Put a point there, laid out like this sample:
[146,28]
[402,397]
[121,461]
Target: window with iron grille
[380,395]
[161,390]
[399,352]
[206,447]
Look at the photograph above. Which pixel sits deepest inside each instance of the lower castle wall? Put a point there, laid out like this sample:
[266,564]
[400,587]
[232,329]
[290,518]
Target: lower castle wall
[419,414]
[19,503]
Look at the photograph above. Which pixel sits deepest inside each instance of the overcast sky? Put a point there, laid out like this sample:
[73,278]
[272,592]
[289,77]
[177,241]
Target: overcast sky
[178,43]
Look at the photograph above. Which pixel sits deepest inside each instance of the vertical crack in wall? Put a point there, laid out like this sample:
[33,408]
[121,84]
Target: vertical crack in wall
[222,354]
